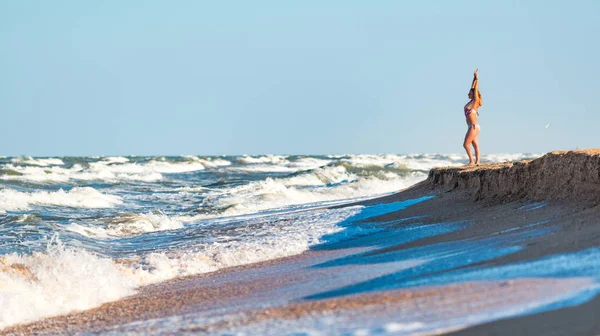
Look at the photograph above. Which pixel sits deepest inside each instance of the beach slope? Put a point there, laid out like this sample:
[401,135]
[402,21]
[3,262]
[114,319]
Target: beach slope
[509,248]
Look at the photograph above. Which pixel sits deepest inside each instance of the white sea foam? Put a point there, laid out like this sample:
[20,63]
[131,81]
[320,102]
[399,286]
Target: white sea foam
[319,185]
[394,327]
[293,234]
[38,162]
[161,266]
[319,177]
[57,273]
[106,170]
[154,166]
[309,163]
[329,183]
[80,197]
[423,162]
[55,282]
[502,157]
[97,171]
[170,167]
[270,159]
[127,225]
[62,279]
[365,160]
[123,169]
[115,159]
[265,169]
[278,164]
[212,162]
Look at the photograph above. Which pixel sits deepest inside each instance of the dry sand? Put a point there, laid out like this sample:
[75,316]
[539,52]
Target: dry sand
[490,196]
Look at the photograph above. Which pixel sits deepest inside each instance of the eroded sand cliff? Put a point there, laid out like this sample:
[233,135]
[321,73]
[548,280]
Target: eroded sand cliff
[573,175]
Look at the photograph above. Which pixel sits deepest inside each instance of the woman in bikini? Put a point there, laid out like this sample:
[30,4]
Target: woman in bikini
[471,114]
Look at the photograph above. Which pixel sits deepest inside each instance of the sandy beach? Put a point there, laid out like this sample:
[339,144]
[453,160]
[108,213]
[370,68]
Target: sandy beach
[493,249]
[304,168]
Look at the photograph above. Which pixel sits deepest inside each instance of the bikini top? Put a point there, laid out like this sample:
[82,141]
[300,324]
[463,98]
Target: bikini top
[469,110]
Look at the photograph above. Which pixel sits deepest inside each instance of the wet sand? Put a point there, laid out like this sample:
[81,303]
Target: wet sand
[286,288]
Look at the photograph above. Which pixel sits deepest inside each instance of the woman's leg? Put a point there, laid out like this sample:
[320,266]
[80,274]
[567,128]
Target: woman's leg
[476,146]
[467,144]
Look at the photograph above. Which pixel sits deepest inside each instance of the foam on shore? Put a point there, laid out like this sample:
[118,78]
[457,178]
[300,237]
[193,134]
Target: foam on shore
[556,176]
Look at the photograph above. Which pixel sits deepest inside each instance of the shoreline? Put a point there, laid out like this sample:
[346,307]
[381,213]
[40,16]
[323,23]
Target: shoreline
[520,205]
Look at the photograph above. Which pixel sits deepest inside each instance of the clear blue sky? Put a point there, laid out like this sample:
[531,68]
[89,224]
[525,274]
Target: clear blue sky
[308,77]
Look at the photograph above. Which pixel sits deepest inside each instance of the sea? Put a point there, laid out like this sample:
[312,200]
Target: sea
[91,230]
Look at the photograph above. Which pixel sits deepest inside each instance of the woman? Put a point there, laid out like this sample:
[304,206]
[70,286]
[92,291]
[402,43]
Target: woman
[472,136]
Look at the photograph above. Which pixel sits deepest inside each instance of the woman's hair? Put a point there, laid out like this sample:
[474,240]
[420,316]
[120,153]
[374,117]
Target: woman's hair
[479,94]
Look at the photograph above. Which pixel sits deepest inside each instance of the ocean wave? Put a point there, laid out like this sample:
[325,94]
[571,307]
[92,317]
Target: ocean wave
[318,185]
[62,279]
[264,169]
[145,169]
[335,178]
[503,157]
[126,224]
[79,197]
[270,237]
[57,281]
[115,159]
[102,170]
[420,162]
[232,217]
[278,164]
[38,161]
[308,163]
[319,176]
[270,159]
[208,162]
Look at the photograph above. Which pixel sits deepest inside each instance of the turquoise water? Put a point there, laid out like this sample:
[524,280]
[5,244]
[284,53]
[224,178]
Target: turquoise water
[94,229]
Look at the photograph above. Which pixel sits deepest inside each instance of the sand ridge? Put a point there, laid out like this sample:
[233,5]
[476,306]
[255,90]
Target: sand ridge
[570,175]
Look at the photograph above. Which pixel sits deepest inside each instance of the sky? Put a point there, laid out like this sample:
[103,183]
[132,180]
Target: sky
[304,77]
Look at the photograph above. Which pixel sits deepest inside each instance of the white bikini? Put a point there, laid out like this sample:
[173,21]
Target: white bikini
[468,111]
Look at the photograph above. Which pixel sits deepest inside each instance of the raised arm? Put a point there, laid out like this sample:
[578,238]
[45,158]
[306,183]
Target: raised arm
[475,86]
[475,80]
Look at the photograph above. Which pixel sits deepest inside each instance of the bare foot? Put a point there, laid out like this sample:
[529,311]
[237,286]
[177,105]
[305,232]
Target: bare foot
[470,163]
